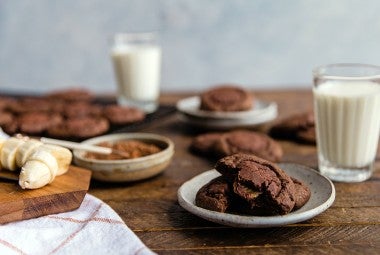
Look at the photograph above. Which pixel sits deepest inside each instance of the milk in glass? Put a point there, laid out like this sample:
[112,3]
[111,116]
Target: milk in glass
[348,125]
[137,67]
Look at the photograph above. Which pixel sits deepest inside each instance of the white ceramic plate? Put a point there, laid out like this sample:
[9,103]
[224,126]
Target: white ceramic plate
[261,113]
[191,107]
[226,124]
[322,197]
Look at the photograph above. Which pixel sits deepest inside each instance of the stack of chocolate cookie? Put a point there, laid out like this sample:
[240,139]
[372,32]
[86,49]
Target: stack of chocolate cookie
[252,185]
[220,144]
[67,114]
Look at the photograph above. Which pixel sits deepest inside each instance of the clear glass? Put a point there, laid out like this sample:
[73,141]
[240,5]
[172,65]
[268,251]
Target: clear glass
[136,59]
[347,105]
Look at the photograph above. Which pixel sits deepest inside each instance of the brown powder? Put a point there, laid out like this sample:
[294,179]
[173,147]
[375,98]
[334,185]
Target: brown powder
[129,148]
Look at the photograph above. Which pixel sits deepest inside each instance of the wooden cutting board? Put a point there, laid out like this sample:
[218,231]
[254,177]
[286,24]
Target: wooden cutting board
[64,194]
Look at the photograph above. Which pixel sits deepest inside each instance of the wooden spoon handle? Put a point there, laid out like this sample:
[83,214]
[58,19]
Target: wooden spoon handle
[79,146]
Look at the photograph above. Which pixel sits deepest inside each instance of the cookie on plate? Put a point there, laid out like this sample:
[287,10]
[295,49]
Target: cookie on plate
[265,188]
[226,98]
[252,185]
[215,195]
[298,127]
[302,193]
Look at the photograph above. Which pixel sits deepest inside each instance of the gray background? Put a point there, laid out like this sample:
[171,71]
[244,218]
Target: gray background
[260,44]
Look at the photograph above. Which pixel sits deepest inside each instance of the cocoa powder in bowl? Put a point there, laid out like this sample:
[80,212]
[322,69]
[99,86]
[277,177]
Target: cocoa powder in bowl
[129,148]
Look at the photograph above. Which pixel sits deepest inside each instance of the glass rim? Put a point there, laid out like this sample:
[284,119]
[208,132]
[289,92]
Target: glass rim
[318,71]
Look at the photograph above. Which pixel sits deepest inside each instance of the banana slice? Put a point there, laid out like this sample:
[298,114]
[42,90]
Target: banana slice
[47,158]
[34,174]
[62,155]
[25,150]
[39,170]
[1,147]
[40,163]
[9,151]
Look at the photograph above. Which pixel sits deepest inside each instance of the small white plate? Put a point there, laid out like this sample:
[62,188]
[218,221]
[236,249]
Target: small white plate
[261,113]
[191,107]
[322,197]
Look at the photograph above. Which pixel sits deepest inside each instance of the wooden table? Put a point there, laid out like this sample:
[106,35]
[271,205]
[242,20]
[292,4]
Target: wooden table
[150,208]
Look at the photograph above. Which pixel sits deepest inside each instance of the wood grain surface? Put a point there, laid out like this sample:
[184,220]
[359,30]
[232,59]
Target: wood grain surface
[150,208]
[64,194]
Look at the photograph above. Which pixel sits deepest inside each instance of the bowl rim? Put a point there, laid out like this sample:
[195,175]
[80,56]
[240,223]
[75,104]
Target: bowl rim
[78,154]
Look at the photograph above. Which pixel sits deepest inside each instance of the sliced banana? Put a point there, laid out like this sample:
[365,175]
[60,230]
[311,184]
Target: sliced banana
[9,151]
[34,174]
[47,158]
[40,163]
[25,150]
[62,155]
[39,170]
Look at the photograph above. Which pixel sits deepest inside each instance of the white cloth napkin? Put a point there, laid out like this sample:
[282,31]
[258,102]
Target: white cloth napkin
[93,228]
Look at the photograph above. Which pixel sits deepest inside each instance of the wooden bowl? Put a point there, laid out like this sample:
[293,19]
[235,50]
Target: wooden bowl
[126,170]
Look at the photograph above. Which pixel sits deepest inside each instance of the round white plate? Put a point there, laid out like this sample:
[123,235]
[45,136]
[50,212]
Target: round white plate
[322,197]
[262,112]
[191,105]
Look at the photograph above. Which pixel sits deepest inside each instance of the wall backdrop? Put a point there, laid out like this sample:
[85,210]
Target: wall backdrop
[261,44]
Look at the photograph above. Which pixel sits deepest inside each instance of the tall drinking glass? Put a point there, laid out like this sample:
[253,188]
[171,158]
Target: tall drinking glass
[137,64]
[347,108]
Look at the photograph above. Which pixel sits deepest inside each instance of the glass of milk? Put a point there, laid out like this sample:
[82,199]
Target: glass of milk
[347,109]
[136,60]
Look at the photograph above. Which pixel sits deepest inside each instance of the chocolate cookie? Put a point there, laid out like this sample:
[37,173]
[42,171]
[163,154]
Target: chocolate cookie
[10,128]
[226,98]
[36,123]
[58,106]
[265,188]
[6,118]
[218,144]
[250,142]
[80,128]
[71,95]
[307,135]
[6,102]
[25,105]
[121,115]
[215,195]
[82,109]
[302,193]
[204,144]
[298,127]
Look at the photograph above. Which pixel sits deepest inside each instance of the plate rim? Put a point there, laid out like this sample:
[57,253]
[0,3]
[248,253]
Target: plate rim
[244,119]
[248,221]
[224,115]
[228,123]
